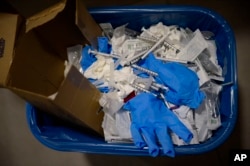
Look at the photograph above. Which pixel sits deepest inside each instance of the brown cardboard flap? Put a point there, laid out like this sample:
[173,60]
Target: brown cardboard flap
[8,28]
[35,99]
[87,25]
[37,12]
[28,8]
[61,32]
[46,105]
[78,94]
[44,16]
[33,68]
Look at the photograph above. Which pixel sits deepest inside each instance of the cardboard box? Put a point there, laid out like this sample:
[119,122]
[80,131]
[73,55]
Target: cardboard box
[34,48]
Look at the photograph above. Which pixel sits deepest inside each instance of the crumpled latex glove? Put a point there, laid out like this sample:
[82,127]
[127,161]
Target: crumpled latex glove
[100,68]
[151,120]
[182,82]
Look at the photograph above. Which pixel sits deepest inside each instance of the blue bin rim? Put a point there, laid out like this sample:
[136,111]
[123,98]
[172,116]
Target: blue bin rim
[159,9]
[110,149]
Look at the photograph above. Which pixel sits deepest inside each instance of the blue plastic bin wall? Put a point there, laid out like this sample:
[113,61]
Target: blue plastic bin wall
[59,136]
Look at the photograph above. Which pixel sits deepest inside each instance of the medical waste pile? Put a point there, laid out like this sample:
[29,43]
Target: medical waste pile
[160,86]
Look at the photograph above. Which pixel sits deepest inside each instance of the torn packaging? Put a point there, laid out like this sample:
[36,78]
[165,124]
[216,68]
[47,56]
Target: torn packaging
[32,65]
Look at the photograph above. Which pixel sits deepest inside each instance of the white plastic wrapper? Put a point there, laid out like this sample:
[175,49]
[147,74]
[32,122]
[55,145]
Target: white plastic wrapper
[111,103]
[202,74]
[201,121]
[194,47]
[107,30]
[207,116]
[117,129]
[119,37]
[209,59]
[75,56]
[123,123]
[100,68]
[212,105]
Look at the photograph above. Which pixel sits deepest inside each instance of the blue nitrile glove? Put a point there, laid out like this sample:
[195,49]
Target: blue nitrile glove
[87,58]
[103,45]
[182,82]
[151,120]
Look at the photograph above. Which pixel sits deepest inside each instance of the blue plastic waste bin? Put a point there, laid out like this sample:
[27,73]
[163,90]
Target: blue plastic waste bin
[57,135]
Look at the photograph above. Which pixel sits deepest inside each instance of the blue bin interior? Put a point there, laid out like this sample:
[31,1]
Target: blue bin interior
[58,135]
